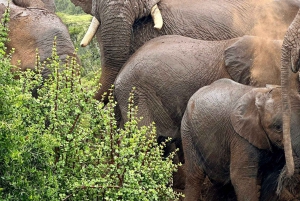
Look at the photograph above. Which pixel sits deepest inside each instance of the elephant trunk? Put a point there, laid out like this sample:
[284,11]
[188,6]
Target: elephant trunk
[114,37]
[287,59]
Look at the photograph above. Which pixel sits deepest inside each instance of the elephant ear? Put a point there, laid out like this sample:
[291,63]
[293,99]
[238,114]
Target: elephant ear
[239,59]
[245,118]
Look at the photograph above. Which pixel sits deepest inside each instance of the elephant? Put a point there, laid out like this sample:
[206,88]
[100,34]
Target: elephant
[233,134]
[167,70]
[33,26]
[121,27]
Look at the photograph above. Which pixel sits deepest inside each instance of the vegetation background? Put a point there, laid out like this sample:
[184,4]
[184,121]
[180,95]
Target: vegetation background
[64,144]
[78,22]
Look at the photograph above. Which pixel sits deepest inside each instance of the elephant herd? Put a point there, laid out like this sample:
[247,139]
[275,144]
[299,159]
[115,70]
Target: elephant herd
[239,136]
[220,77]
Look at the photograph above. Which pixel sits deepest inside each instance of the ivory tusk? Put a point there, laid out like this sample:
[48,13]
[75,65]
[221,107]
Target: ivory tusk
[90,32]
[157,18]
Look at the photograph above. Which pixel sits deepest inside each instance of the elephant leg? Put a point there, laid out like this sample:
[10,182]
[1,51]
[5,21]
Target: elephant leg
[179,176]
[220,192]
[118,116]
[194,173]
[244,172]
[194,182]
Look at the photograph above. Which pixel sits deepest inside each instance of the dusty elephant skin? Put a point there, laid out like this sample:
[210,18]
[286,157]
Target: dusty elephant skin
[34,28]
[167,70]
[127,25]
[290,63]
[233,134]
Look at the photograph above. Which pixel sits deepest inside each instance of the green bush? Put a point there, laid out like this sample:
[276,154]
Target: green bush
[65,145]
[26,159]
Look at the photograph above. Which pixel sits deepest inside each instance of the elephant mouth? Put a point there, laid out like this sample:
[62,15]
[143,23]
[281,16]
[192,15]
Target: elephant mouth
[291,184]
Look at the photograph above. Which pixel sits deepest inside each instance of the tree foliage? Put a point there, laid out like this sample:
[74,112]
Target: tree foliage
[66,6]
[65,145]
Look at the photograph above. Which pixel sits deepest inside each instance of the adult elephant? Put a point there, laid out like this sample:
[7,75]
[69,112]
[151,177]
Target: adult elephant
[168,70]
[233,134]
[127,25]
[33,26]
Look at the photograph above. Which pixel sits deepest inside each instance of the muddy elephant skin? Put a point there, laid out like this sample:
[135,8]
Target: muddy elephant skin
[233,134]
[33,29]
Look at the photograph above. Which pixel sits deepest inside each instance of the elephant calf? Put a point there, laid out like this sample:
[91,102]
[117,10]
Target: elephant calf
[233,134]
[168,70]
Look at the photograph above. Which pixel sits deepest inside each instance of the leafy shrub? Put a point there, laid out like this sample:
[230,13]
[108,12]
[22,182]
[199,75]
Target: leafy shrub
[65,145]
[26,159]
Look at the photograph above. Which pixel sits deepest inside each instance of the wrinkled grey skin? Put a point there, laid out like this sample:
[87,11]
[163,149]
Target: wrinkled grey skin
[290,64]
[167,70]
[127,25]
[34,28]
[233,134]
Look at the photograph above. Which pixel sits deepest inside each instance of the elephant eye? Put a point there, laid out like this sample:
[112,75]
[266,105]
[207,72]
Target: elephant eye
[277,127]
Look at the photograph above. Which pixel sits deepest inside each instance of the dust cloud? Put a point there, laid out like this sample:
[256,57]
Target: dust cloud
[270,18]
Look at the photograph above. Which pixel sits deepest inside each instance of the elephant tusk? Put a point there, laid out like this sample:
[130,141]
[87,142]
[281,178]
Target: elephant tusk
[157,18]
[90,32]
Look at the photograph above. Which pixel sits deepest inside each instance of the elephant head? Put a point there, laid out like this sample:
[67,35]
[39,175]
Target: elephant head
[115,19]
[264,107]
[289,63]
[33,30]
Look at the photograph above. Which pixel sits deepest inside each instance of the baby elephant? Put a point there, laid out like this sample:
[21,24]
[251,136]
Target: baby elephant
[233,134]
